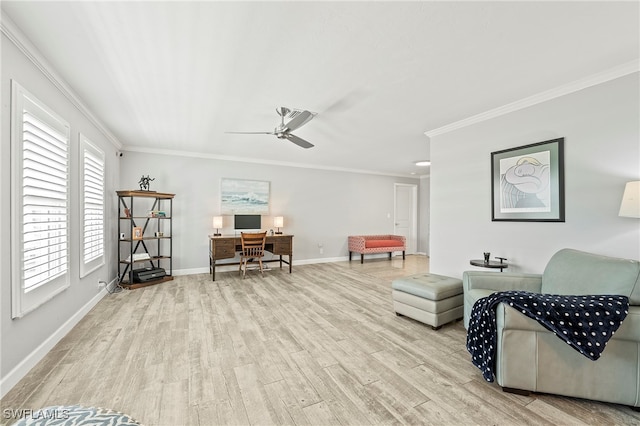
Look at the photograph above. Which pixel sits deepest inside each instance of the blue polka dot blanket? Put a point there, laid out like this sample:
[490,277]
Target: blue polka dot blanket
[586,323]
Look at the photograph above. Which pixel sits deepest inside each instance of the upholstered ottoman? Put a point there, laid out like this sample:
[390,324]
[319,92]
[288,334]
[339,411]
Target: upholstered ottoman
[429,298]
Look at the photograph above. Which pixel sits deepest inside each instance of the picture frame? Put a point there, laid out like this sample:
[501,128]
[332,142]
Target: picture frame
[241,196]
[137,233]
[527,183]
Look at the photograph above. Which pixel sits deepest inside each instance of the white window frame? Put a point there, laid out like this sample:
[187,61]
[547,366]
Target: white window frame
[24,301]
[92,187]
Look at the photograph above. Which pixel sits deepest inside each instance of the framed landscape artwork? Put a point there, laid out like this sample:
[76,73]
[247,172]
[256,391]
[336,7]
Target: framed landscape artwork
[527,183]
[239,196]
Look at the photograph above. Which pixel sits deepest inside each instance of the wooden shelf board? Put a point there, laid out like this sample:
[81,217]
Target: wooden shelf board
[151,259]
[150,194]
[146,284]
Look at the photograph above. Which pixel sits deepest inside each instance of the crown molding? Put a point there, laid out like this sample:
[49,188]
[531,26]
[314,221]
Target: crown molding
[190,154]
[592,80]
[13,33]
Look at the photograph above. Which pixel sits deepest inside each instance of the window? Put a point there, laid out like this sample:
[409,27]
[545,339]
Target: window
[92,207]
[40,202]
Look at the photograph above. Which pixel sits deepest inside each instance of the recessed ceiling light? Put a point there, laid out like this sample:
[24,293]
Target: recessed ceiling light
[423,163]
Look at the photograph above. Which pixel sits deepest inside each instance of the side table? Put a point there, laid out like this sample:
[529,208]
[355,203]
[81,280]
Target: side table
[491,264]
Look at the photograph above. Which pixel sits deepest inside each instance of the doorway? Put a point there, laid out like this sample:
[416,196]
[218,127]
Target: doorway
[406,214]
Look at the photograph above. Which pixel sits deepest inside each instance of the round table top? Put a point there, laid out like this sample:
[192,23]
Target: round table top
[491,264]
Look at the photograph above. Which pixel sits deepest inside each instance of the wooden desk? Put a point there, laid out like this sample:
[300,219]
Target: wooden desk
[227,246]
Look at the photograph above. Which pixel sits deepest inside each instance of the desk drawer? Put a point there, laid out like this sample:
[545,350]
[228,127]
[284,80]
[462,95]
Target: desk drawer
[282,247]
[224,249]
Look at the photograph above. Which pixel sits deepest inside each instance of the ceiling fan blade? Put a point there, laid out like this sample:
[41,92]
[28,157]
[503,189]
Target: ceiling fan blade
[299,141]
[252,133]
[298,120]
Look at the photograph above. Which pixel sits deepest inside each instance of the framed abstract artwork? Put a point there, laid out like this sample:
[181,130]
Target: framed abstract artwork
[527,183]
[239,196]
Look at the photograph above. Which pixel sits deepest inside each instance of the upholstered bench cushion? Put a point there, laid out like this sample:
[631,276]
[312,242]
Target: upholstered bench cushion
[429,286]
[433,306]
[429,298]
[383,243]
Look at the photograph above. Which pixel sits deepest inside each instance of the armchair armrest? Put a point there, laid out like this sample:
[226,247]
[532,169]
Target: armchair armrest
[356,243]
[478,284]
[501,281]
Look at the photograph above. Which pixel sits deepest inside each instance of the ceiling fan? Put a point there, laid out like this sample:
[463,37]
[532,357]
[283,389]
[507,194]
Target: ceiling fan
[283,131]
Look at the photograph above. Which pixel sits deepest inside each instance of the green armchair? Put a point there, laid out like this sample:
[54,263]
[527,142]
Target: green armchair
[529,358]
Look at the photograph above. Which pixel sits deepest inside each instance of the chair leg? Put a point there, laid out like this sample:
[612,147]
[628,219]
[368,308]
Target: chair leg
[260,262]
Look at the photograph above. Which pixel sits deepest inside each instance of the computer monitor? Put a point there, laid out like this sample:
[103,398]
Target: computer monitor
[247,222]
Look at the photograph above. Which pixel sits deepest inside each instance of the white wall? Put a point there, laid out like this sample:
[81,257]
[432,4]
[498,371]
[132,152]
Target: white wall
[26,339]
[319,206]
[424,211]
[602,152]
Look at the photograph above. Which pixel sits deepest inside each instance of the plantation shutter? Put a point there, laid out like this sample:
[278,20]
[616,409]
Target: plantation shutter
[93,206]
[44,198]
[40,204]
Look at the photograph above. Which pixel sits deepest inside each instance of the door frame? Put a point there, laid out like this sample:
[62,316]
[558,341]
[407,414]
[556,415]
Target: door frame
[412,241]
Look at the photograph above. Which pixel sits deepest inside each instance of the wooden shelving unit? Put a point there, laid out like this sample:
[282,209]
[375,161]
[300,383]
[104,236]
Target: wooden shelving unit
[150,214]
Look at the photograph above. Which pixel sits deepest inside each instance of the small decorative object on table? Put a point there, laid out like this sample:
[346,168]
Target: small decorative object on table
[486,257]
[144,182]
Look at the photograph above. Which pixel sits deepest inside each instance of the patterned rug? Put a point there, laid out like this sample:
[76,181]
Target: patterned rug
[73,415]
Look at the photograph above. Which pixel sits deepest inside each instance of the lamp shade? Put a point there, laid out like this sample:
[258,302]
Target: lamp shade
[630,206]
[217,222]
[278,221]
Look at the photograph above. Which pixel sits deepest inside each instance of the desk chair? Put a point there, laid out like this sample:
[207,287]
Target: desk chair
[252,248]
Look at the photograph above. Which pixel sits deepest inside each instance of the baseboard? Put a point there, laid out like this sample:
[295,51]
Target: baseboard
[22,369]
[191,271]
[321,260]
[221,267]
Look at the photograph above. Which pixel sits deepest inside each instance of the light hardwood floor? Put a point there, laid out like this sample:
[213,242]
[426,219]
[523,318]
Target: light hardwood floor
[320,346]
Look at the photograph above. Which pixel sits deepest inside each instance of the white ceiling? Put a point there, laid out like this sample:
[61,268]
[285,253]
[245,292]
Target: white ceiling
[175,76]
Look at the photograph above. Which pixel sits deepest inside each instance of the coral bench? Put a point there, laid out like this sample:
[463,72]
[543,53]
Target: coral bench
[367,244]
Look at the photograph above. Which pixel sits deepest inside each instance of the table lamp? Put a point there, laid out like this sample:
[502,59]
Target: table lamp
[278,222]
[217,224]
[630,206]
